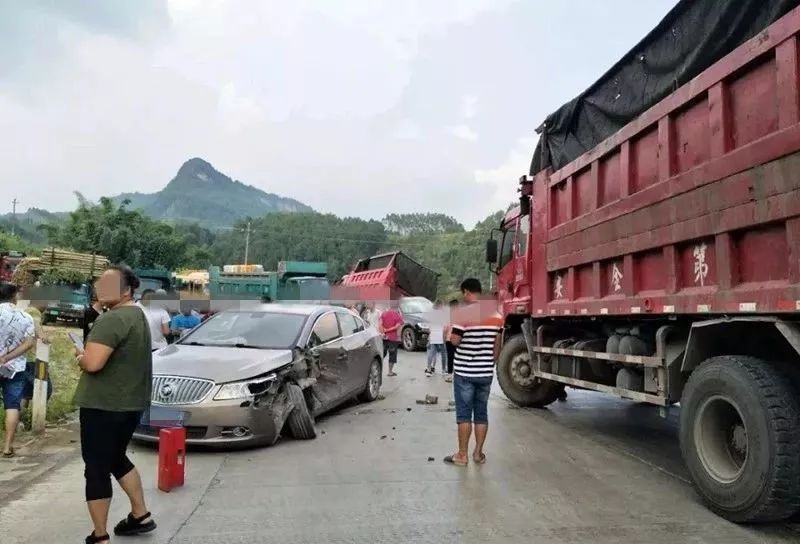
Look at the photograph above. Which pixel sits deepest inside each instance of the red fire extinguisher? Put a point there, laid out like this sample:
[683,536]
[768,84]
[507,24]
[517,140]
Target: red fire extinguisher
[171,458]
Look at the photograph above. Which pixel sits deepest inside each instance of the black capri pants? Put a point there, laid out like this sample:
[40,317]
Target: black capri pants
[104,444]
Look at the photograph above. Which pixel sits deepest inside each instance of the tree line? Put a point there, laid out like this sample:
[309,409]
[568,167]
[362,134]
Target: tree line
[128,236]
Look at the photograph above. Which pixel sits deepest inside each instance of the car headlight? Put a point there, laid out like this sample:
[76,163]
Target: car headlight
[77,306]
[244,389]
[424,326]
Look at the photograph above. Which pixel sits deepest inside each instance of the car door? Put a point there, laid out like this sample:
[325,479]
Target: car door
[355,342]
[325,344]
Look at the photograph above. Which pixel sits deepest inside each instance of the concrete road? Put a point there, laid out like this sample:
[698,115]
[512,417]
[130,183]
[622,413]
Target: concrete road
[592,469]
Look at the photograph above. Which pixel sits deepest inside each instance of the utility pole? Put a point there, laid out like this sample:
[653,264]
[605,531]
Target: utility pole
[247,244]
[14,216]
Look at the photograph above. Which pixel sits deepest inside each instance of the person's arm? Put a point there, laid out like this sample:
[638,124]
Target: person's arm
[456,332]
[19,351]
[107,333]
[165,330]
[94,357]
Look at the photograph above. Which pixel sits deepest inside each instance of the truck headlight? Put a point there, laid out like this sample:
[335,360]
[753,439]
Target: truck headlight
[245,389]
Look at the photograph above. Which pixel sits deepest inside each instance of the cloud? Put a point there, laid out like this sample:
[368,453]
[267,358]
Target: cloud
[502,178]
[356,107]
[464,132]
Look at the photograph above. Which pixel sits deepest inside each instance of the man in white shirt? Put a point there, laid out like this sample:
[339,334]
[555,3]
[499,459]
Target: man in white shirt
[158,319]
[17,337]
[437,320]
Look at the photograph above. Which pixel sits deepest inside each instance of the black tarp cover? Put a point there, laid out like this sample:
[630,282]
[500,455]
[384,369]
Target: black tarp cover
[412,277]
[694,35]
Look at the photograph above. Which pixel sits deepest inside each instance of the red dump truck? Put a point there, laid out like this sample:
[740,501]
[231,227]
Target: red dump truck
[388,276]
[655,252]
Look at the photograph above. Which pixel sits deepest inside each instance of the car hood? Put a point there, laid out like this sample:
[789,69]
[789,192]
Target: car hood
[220,364]
[414,319]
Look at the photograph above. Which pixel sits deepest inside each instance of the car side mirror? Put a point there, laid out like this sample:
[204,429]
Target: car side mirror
[491,251]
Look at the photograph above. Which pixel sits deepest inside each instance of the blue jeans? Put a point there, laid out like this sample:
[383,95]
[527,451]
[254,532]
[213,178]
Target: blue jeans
[13,391]
[433,349]
[472,399]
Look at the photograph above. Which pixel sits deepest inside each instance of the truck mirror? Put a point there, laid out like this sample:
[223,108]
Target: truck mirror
[491,250]
[524,205]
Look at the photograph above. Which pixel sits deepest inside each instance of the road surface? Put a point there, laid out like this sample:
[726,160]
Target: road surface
[592,469]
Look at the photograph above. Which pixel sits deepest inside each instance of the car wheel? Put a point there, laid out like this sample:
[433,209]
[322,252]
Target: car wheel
[374,380]
[409,339]
[740,434]
[300,421]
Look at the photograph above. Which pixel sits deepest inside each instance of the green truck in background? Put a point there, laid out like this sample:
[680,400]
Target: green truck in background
[294,280]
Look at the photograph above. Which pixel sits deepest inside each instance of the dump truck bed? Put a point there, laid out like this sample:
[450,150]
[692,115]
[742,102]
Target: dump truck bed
[692,208]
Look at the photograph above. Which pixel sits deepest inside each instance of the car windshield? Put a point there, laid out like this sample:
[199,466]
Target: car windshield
[416,305]
[262,330]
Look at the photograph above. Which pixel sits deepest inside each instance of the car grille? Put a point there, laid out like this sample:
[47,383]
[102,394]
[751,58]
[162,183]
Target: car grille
[192,433]
[177,390]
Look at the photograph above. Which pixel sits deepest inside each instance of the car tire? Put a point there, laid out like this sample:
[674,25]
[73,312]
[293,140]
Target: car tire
[374,380]
[513,378]
[300,422]
[408,339]
[739,435]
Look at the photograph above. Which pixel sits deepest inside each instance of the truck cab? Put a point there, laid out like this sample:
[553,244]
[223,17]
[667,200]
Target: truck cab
[8,264]
[507,255]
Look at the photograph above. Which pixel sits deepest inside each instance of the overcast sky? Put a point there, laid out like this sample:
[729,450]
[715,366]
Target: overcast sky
[356,107]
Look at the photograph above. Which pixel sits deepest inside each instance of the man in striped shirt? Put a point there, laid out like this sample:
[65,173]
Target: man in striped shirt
[476,334]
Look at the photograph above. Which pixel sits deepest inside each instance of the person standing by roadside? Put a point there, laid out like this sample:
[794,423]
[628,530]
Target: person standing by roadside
[372,316]
[17,337]
[391,323]
[157,318]
[450,349]
[113,392]
[436,324]
[476,335]
[184,321]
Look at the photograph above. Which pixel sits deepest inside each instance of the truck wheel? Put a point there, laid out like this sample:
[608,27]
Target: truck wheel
[300,422]
[740,434]
[373,387]
[409,338]
[516,379]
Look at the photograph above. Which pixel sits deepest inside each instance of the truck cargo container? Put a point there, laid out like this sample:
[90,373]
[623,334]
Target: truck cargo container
[655,252]
[294,280]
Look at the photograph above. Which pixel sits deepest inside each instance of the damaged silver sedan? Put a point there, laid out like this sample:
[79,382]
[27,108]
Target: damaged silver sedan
[245,377]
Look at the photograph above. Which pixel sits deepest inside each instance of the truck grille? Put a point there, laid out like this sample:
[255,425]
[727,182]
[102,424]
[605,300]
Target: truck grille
[177,390]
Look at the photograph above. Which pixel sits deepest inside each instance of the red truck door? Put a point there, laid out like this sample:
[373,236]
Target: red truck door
[512,280]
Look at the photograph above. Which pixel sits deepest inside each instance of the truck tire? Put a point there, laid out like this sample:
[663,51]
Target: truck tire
[373,388]
[408,338]
[299,422]
[740,434]
[515,376]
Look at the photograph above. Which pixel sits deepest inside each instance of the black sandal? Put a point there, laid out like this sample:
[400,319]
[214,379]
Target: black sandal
[131,526]
[92,539]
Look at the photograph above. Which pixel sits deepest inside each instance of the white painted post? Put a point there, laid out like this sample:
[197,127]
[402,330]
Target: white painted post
[39,405]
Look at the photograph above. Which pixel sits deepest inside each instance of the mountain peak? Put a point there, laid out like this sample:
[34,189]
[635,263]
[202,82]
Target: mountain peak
[195,167]
[200,193]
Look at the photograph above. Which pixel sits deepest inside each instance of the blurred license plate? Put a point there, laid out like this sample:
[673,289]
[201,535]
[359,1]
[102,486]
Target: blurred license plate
[54,312]
[158,416]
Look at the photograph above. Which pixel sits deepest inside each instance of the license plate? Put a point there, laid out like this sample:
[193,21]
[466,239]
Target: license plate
[159,416]
[54,312]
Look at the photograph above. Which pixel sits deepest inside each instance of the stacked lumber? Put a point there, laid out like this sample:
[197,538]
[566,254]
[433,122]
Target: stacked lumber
[79,262]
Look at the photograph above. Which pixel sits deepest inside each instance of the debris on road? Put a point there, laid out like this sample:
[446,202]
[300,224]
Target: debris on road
[431,459]
[383,437]
[451,403]
[431,399]
[408,409]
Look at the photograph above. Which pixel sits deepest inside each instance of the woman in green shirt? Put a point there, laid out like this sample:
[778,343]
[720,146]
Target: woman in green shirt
[113,392]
